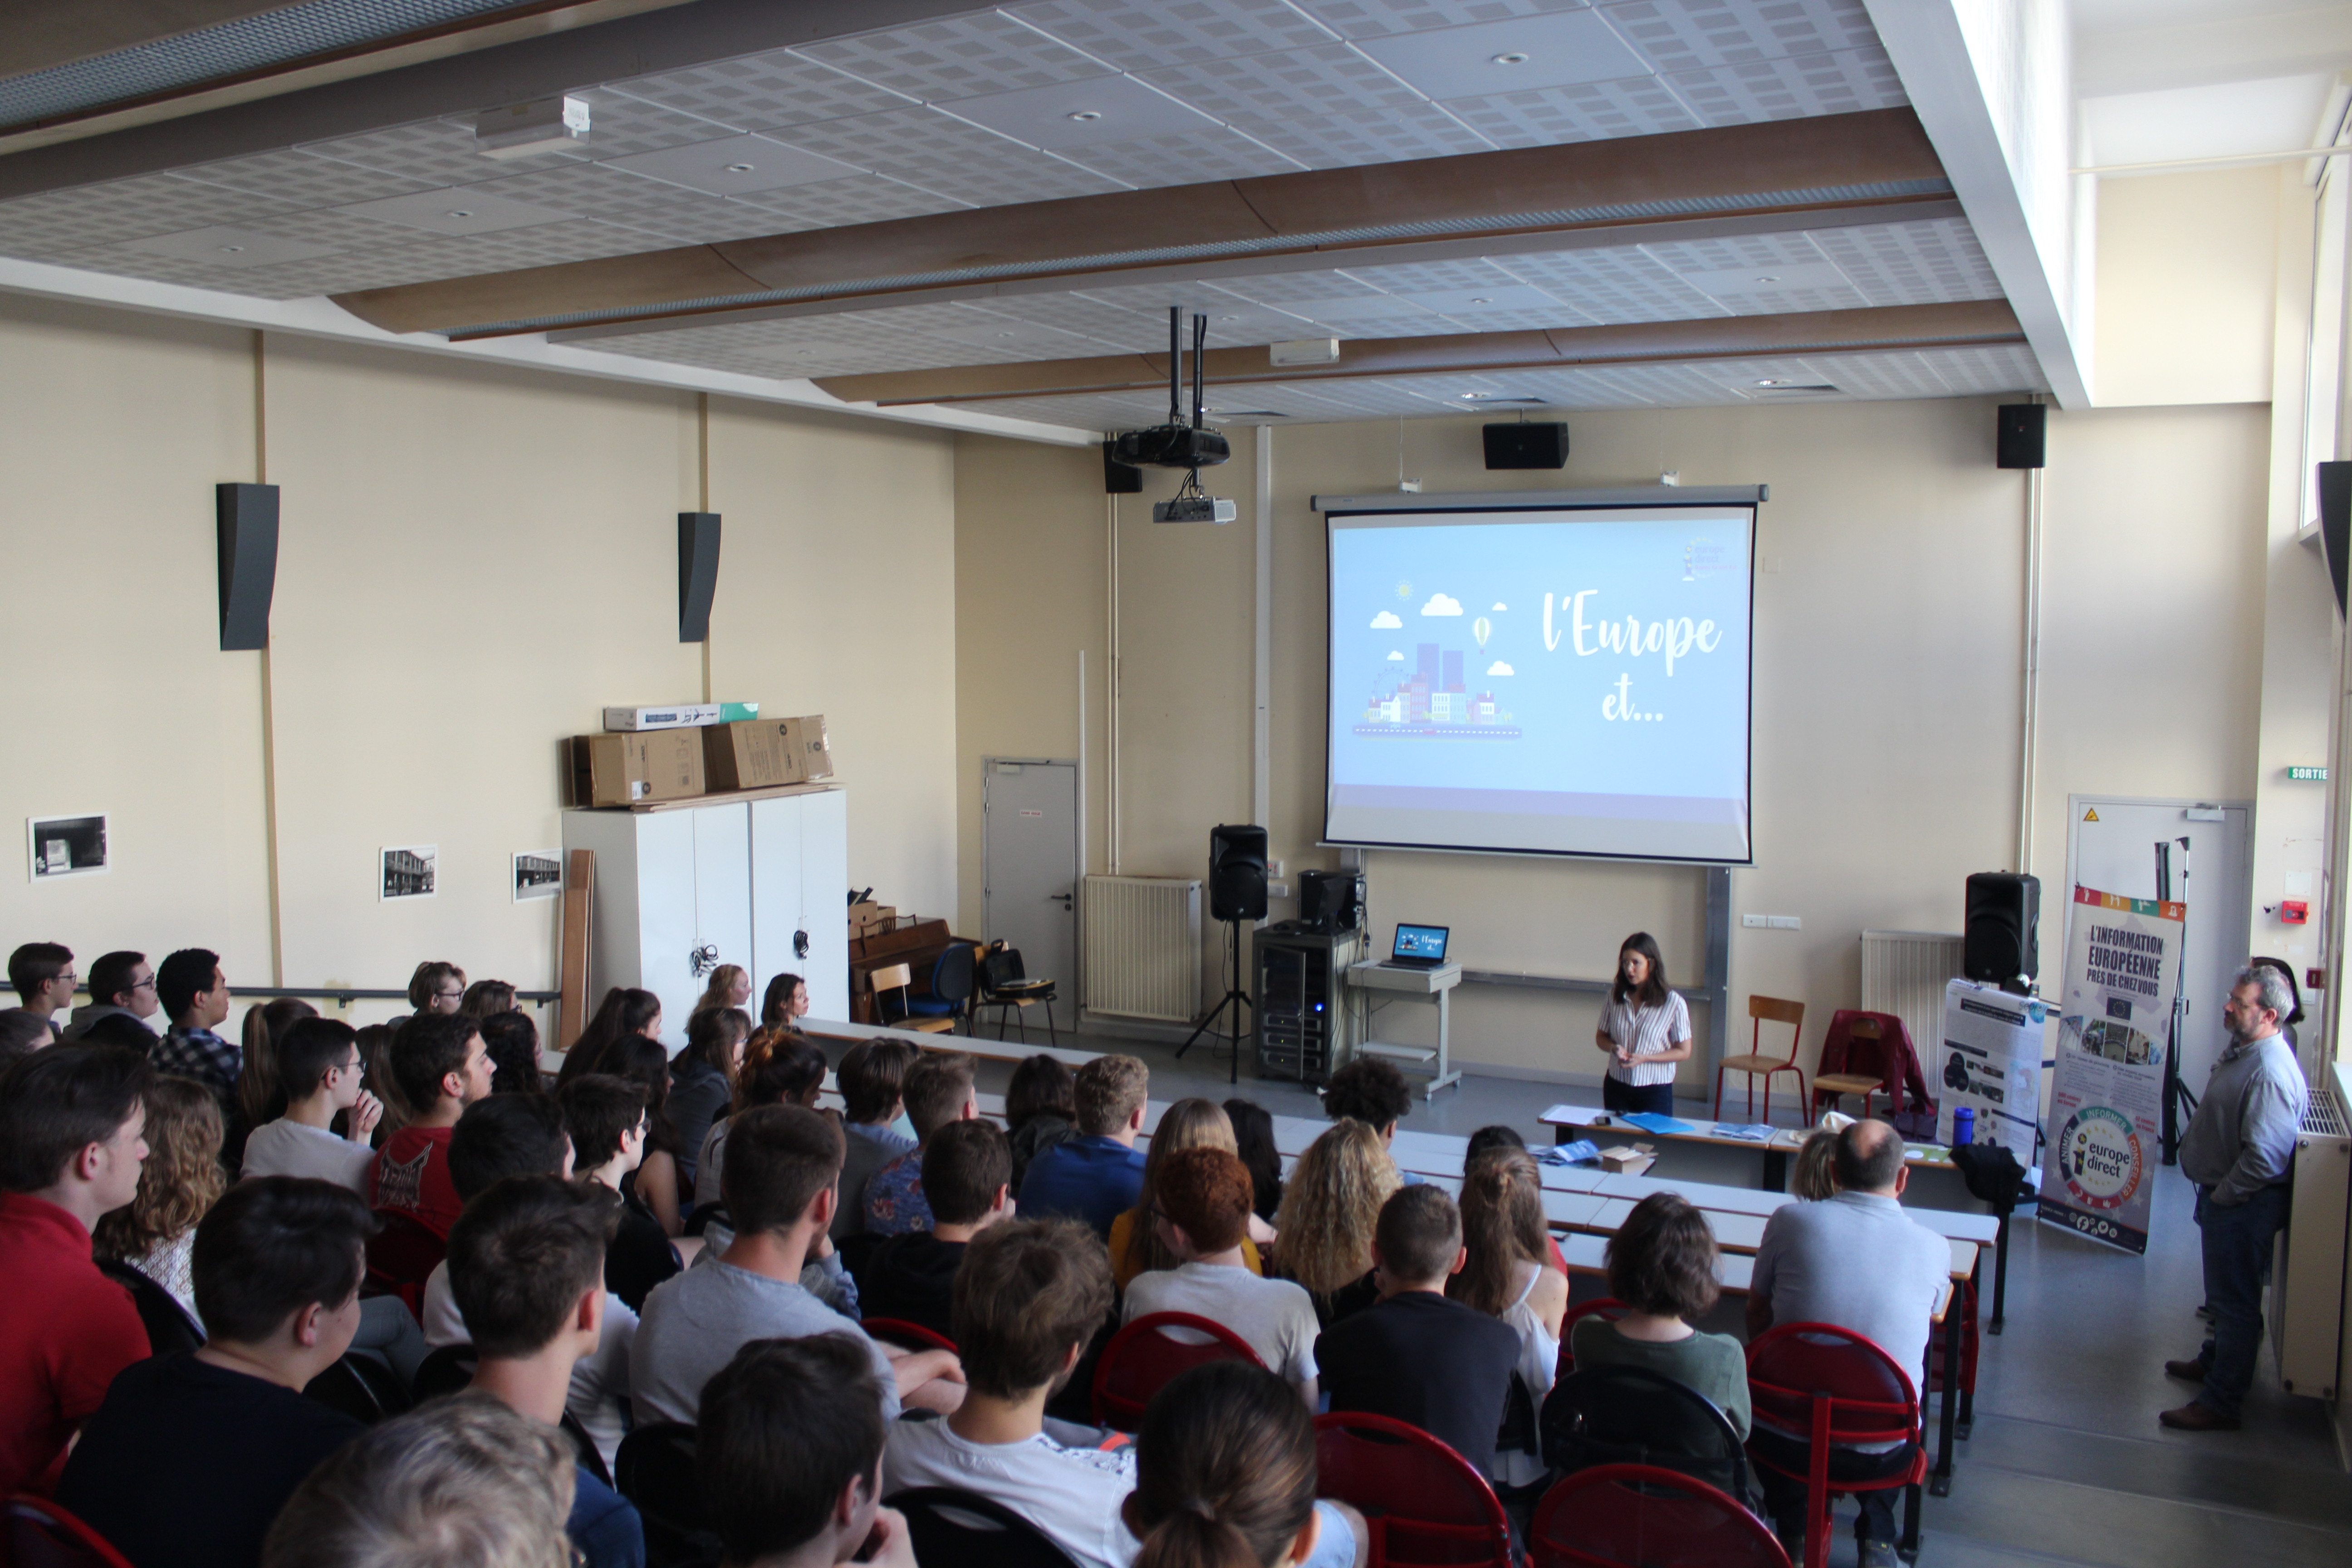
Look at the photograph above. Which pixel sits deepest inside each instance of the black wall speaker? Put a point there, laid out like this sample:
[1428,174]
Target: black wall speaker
[698,572]
[1526,446]
[2336,521]
[246,518]
[2001,945]
[1237,873]
[1118,478]
[1331,901]
[2017,438]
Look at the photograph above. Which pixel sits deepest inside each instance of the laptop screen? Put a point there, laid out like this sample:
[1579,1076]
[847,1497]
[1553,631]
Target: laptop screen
[1422,942]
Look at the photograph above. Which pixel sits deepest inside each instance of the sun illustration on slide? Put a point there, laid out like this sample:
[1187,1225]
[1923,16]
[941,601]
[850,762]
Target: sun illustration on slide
[1404,590]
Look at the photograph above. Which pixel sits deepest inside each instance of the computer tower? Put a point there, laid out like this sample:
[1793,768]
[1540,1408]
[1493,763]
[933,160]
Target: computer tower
[1302,1023]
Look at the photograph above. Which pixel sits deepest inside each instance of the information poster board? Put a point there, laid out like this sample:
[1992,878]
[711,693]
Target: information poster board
[1991,1061]
[2123,969]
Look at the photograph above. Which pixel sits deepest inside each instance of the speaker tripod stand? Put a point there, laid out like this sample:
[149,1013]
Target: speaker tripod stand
[1234,998]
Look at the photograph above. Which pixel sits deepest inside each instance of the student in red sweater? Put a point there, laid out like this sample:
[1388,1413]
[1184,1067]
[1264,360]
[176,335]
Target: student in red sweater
[70,1149]
[441,1066]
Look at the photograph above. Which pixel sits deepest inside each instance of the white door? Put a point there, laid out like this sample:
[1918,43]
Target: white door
[1029,813]
[2111,845]
[800,879]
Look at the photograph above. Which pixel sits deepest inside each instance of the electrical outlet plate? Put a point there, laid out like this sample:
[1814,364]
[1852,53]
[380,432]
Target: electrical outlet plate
[1773,922]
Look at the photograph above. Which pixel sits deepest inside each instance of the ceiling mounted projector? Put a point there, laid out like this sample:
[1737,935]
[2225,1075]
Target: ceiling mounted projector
[1192,506]
[1177,445]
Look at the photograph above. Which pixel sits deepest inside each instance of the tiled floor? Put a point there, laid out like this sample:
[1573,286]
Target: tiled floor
[2067,1465]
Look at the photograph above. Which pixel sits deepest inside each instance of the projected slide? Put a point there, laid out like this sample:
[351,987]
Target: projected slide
[1567,682]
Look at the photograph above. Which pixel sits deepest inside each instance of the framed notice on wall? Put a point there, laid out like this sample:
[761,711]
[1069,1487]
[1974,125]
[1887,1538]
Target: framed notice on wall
[409,872]
[59,847]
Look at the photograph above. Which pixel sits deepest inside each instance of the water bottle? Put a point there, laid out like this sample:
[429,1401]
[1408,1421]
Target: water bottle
[1964,1125]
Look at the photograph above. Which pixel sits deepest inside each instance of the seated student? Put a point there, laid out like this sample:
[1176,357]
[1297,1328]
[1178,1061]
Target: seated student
[190,1457]
[319,1063]
[872,1078]
[789,1455]
[1253,1142]
[1496,1136]
[42,973]
[1857,1261]
[783,1164]
[1370,1091]
[1330,1206]
[967,1170]
[785,1004]
[778,1067]
[23,1032]
[625,1011]
[512,1041]
[1202,1214]
[1028,1299]
[156,1232]
[70,1148]
[1814,1176]
[1224,1473]
[937,1093]
[462,1482]
[436,986]
[1040,1106]
[260,1094]
[527,1263]
[441,1066]
[121,989]
[606,1119]
[1507,1274]
[1136,1244]
[1096,1175]
[645,1063]
[1417,1355]
[702,1079]
[486,999]
[1662,1265]
[194,996]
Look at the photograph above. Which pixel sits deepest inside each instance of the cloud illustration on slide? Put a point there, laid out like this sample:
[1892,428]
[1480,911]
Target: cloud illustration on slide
[1499,667]
[1440,604]
[1386,621]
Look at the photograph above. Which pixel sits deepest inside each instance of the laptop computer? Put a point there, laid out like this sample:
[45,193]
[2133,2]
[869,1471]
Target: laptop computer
[1419,947]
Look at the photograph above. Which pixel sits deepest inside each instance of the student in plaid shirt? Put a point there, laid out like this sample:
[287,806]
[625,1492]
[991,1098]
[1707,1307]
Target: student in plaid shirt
[195,996]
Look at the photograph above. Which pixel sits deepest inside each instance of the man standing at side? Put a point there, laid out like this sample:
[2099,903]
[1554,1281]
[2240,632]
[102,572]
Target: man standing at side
[1858,1262]
[1096,1175]
[195,996]
[2240,1150]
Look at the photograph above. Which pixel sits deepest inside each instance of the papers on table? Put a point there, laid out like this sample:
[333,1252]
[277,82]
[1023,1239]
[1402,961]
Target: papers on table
[1746,1131]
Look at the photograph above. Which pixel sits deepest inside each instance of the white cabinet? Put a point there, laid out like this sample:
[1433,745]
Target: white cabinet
[683,889]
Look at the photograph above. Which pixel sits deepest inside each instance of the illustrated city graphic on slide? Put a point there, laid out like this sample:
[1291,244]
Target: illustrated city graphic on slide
[1433,703]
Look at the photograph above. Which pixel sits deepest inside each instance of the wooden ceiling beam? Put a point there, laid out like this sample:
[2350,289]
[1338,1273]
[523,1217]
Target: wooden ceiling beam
[1969,325]
[1831,162]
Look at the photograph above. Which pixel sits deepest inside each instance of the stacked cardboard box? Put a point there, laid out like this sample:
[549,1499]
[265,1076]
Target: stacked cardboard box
[870,919]
[761,752]
[681,750]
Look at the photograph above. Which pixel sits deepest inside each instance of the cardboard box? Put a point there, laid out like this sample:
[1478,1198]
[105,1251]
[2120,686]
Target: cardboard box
[627,769]
[1628,1159]
[677,716]
[872,919]
[807,738]
[755,754]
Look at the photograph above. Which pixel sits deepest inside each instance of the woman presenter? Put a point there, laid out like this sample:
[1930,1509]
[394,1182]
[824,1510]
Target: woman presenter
[1645,1028]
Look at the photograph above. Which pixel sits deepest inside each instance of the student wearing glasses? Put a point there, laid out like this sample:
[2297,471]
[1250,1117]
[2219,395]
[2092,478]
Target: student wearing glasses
[121,996]
[437,986]
[319,1063]
[43,974]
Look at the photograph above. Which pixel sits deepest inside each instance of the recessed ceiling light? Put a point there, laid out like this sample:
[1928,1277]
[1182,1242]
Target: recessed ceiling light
[1229,317]
[1769,277]
[457,212]
[1771,381]
[1084,116]
[1515,57]
[739,168]
[232,249]
[1481,302]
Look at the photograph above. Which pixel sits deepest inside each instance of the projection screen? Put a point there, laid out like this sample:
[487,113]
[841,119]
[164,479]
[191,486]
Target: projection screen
[1561,678]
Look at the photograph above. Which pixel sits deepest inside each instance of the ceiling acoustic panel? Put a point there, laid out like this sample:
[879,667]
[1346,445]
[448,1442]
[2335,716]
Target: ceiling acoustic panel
[951,157]
[1586,111]
[758,92]
[1379,18]
[299,179]
[432,153]
[1513,55]
[57,221]
[1470,274]
[1330,79]
[1841,83]
[1216,154]
[955,56]
[1106,324]
[835,203]
[1699,35]
[619,126]
[1616,284]
[1356,137]
[1231,319]
[616,196]
[1912,263]
[1139,35]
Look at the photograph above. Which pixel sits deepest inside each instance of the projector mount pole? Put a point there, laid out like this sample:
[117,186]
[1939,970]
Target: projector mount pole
[1175,364]
[1200,353]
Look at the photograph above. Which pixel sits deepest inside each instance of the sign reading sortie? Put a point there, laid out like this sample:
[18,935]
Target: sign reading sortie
[2123,968]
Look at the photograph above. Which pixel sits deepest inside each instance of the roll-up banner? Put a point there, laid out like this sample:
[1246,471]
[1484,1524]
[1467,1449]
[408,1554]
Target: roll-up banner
[2115,1019]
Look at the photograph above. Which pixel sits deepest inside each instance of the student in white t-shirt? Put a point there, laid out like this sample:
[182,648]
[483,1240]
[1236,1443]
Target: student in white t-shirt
[318,1063]
[1202,1209]
[1028,1299]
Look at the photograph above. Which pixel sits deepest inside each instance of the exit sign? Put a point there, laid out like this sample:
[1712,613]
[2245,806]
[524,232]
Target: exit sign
[2315,775]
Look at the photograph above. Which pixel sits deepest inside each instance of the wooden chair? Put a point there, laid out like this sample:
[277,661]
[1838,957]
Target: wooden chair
[1866,1046]
[1756,1064]
[900,977]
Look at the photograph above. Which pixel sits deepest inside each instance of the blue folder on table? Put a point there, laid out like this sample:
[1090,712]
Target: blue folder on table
[1651,1122]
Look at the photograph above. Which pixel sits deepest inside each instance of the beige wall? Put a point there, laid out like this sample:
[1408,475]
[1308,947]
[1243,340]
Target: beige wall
[1887,672]
[2186,278]
[473,561]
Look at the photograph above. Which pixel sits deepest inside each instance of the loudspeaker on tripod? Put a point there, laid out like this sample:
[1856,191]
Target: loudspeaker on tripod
[1237,873]
[2001,943]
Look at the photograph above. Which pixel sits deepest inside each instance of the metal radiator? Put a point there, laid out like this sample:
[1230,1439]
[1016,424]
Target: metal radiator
[1143,947]
[2307,1276]
[1904,973]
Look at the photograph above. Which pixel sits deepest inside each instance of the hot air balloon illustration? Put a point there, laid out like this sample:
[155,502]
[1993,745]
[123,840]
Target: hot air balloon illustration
[1482,629]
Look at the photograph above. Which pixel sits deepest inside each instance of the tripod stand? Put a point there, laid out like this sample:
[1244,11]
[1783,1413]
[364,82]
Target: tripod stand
[2179,1104]
[1235,998]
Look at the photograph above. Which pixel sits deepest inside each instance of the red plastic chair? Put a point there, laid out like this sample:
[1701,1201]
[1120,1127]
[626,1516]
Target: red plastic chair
[1427,1505]
[1142,1357]
[906,1335]
[1604,1307]
[1832,1388]
[43,1535]
[1630,1516]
